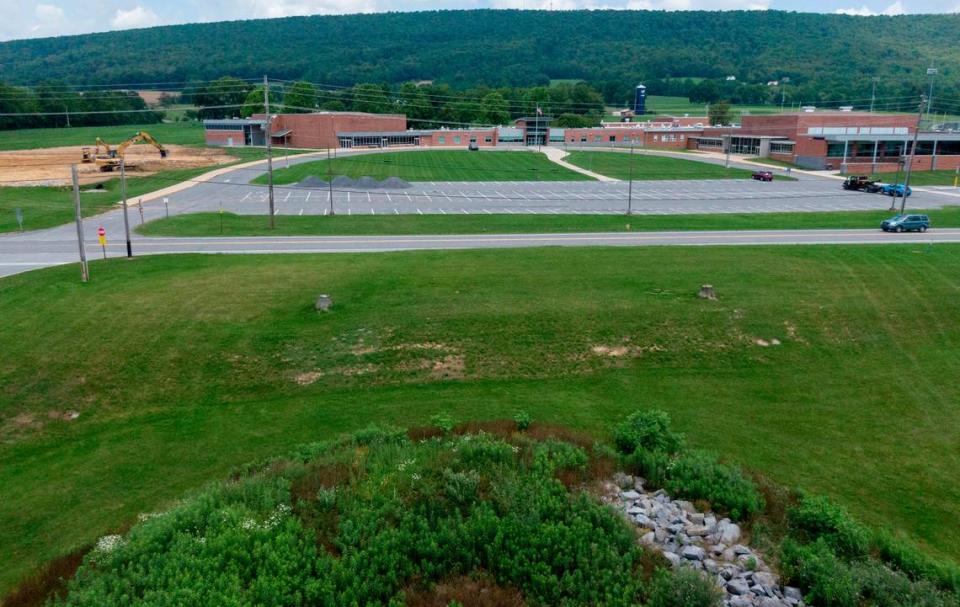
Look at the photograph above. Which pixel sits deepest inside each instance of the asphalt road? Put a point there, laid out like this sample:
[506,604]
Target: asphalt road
[22,252]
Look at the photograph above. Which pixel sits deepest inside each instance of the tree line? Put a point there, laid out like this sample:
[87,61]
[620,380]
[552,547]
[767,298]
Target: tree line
[53,105]
[426,105]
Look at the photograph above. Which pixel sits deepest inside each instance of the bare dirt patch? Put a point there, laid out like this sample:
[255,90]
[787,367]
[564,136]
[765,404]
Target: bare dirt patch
[449,367]
[51,166]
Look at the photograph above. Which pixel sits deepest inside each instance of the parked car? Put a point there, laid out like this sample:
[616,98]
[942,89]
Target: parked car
[762,175]
[861,183]
[906,223]
[473,147]
[895,189]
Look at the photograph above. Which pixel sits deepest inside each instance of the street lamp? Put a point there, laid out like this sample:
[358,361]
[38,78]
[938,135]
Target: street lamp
[932,72]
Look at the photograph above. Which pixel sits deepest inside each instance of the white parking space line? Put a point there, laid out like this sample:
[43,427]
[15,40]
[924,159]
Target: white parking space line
[247,196]
[301,212]
[419,212]
[486,211]
[371,212]
[388,197]
[443,212]
[287,197]
[465,212]
[308,196]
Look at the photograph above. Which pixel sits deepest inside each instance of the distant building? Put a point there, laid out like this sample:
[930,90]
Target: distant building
[731,78]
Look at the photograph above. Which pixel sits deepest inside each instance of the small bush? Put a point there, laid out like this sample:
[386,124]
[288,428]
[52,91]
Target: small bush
[683,588]
[553,455]
[817,517]
[828,582]
[523,420]
[906,557]
[698,475]
[883,587]
[443,422]
[648,430]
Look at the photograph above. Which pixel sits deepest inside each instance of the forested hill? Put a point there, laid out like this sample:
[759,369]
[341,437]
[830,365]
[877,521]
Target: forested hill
[507,47]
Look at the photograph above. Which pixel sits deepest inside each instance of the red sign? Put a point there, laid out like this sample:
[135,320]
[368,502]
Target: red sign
[101,232]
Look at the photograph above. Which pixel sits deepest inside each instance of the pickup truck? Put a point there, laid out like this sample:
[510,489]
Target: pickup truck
[861,183]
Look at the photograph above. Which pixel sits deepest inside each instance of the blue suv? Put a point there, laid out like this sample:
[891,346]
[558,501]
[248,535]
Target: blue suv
[895,189]
[906,223]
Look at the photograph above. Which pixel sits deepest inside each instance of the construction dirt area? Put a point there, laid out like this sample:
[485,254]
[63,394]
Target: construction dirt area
[51,166]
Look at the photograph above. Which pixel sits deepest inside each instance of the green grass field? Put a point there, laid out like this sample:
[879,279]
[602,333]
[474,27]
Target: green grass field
[184,366]
[181,133]
[209,224]
[772,162]
[433,165]
[650,167]
[45,206]
[922,177]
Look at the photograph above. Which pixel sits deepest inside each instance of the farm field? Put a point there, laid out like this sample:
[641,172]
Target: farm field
[650,167]
[181,367]
[209,224]
[433,165]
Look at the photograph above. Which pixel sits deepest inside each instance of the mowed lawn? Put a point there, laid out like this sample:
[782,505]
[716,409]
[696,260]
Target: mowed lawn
[181,133]
[649,167]
[950,178]
[230,224]
[433,165]
[184,366]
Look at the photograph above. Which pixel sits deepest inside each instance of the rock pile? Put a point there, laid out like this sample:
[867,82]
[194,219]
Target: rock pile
[688,538]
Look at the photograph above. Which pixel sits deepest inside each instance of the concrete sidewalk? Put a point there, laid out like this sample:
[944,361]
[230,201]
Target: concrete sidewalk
[557,155]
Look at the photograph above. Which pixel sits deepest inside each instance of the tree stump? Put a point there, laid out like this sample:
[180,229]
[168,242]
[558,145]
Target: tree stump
[323,303]
[707,292]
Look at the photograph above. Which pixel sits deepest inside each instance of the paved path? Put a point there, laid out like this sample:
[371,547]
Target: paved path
[19,255]
[557,156]
[230,190]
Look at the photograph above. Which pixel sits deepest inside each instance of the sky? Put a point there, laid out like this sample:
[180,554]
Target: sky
[42,18]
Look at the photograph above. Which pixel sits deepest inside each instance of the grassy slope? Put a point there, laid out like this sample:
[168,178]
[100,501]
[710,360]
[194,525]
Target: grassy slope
[649,167]
[435,165]
[182,133]
[184,366]
[208,224]
[45,207]
[922,177]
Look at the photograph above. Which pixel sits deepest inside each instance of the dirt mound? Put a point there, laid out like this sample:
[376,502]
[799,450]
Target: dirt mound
[51,166]
[311,182]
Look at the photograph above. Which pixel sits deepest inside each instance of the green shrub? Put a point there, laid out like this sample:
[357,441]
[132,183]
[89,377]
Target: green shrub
[817,517]
[648,430]
[683,588]
[553,455]
[651,465]
[906,557]
[698,475]
[883,587]
[443,422]
[479,450]
[827,581]
[375,435]
[523,420]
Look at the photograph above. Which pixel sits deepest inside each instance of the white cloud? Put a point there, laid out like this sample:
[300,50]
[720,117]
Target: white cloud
[48,12]
[863,11]
[896,8]
[134,18]
[697,5]
[291,8]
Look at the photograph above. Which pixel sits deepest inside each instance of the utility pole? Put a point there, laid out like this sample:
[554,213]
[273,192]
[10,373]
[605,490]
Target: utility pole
[67,110]
[84,271]
[913,152]
[266,107]
[330,180]
[630,186]
[932,72]
[123,197]
[873,94]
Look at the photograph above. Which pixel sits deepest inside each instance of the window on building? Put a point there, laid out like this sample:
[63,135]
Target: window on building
[456,140]
[596,138]
[442,140]
[473,139]
[613,138]
[488,139]
[583,139]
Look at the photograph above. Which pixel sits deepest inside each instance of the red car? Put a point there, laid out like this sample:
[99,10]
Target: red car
[762,175]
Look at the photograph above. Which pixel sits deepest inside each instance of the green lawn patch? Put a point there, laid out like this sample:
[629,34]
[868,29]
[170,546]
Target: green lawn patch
[434,165]
[48,206]
[182,367]
[210,224]
[773,162]
[920,178]
[650,167]
[180,133]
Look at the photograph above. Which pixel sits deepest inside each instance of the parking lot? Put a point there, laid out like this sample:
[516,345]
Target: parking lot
[233,194]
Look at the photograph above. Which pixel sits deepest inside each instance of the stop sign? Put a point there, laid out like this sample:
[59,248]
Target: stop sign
[101,232]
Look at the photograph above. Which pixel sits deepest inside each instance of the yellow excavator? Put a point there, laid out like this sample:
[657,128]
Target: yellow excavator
[108,158]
